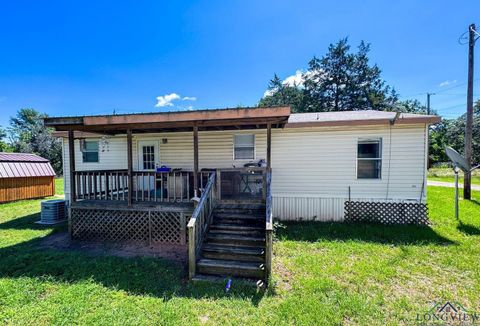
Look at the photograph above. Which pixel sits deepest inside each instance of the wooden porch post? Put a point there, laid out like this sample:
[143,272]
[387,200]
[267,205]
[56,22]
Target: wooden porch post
[129,162]
[71,157]
[195,161]
[269,146]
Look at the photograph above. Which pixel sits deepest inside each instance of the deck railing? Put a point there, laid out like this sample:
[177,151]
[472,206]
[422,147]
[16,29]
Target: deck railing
[242,184]
[147,185]
[199,223]
[268,225]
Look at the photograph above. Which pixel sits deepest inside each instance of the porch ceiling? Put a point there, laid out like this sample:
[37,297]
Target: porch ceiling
[220,119]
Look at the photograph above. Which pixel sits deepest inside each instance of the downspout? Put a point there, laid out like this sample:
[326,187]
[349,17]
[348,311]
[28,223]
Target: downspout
[392,122]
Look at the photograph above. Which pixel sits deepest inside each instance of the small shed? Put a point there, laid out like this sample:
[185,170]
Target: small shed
[25,176]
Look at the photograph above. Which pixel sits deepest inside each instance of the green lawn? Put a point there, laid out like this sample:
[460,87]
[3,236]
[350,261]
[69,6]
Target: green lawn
[323,274]
[447,175]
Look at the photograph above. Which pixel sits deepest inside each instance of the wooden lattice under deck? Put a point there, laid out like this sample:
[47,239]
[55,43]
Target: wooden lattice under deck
[386,212]
[150,226]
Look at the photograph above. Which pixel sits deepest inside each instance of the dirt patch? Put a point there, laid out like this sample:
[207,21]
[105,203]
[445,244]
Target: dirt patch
[62,241]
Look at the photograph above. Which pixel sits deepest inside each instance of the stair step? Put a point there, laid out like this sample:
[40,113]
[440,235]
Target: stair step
[241,206]
[254,232]
[216,251]
[239,222]
[234,239]
[236,227]
[230,268]
[239,216]
[222,279]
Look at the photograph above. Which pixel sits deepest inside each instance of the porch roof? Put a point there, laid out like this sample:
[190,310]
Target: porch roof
[218,119]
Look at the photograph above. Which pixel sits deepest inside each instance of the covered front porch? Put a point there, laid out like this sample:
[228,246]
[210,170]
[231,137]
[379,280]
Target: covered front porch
[158,204]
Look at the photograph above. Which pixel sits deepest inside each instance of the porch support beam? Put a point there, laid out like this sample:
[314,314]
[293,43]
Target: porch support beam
[195,161]
[130,167]
[269,146]
[71,158]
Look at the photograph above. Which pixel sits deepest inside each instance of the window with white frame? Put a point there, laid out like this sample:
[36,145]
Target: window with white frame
[244,147]
[90,151]
[369,159]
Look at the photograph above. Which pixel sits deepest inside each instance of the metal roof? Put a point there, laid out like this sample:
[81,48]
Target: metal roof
[21,165]
[358,118]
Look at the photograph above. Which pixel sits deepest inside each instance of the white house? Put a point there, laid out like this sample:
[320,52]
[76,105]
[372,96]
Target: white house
[317,161]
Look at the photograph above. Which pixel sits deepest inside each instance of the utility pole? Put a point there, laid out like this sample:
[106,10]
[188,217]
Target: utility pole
[469,125]
[428,102]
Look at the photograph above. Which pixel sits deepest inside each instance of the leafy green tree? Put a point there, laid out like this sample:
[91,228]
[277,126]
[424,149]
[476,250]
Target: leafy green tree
[340,80]
[4,146]
[455,133]
[29,135]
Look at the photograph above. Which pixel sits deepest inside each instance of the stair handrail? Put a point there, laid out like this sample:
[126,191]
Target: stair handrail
[199,223]
[268,225]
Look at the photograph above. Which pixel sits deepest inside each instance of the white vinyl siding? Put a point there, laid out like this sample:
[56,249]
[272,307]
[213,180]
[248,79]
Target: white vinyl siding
[312,168]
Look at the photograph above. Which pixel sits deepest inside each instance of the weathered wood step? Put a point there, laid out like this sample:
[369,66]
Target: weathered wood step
[230,268]
[241,206]
[223,279]
[239,216]
[238,240]
[251,232]
[239,222]
[217,251]
[235,227]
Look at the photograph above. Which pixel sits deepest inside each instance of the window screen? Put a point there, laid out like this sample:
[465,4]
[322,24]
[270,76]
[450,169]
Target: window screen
[90,151]
[244,147]
[148,153]
[369,159]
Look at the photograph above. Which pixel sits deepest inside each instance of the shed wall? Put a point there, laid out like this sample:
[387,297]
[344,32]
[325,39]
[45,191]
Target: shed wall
[12,189]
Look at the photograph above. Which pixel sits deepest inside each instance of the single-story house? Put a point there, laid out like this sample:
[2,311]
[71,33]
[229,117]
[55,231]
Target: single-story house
[133,176]
[25,176]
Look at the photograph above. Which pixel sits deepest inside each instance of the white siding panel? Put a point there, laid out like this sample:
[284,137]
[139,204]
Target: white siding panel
[312,168]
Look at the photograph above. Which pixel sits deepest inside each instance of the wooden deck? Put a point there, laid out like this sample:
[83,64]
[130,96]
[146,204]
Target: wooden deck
[122,205]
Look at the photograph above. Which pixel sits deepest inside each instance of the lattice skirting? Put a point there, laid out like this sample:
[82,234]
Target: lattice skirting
[128,225]
[386,212]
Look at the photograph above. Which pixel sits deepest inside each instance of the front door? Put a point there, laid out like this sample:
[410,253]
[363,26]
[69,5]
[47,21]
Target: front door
[147,161]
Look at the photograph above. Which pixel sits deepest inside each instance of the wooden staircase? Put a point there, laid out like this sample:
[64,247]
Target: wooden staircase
[234,245]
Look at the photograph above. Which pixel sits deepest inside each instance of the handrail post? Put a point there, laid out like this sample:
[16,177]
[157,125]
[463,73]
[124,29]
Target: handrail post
[129,167]
[192,256]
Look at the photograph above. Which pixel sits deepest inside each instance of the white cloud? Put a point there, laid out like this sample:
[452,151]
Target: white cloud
[295,80]
[168,99]
[447,83]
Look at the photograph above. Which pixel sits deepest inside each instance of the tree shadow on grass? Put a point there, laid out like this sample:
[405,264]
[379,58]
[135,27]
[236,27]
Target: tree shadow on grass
[26,222]
[468,229]
[138,276]
[384,234]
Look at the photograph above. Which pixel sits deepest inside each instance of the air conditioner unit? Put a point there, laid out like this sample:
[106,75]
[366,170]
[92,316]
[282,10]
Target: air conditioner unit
[53,212]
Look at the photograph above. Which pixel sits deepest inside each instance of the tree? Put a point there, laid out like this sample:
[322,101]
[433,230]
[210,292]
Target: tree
[282,94]
[340,80]
[455,133]
[4,147]
[29,135]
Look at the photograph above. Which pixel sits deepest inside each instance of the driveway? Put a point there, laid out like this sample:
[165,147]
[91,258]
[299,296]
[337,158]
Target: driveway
[449,184]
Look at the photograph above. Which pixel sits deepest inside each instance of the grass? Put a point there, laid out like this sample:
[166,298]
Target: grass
[447,175]
[324,273]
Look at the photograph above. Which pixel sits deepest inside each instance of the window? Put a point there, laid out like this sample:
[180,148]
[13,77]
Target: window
[90,151]
[148,153]
[244,147]
[369,159]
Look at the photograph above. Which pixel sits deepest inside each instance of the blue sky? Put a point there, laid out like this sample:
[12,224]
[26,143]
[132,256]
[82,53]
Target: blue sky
[76,58]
